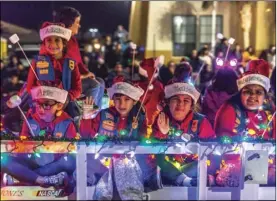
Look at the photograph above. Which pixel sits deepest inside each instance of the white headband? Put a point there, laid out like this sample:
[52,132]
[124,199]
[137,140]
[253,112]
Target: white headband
[254,79]
[127,89]
[47,92]
[55,30]
[181,88]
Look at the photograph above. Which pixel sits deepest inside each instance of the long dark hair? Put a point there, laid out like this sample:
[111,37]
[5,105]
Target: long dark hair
[225,80]
[67,16]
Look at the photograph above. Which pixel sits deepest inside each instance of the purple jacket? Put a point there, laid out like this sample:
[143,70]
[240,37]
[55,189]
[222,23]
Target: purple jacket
[211,103]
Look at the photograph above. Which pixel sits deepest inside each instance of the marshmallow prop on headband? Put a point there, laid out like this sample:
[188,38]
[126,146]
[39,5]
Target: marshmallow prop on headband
[47,92]
[127,89]
[55,30]
[179,88]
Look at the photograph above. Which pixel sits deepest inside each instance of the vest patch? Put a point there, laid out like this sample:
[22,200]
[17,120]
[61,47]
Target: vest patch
[71,64]
[109,116]
[42,64]
[108,125]
[43,71]
[58,135]
[34,126]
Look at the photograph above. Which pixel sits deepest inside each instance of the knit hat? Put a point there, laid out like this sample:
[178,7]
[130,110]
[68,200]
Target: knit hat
[54,29]
[180,83]
[49,92]
[120,86]
[257,72]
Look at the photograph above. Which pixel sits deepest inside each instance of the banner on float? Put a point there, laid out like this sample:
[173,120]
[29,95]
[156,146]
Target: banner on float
[31,193]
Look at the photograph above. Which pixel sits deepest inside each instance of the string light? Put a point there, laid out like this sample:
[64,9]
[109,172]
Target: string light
[226,140]
[219,62]
[233,62]
[132,154]
[178,133]
[123,132]
[178,145]
[96,155]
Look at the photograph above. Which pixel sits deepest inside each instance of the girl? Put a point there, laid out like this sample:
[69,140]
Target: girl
[53,64]
[118,121]
[248,113]
[178,121]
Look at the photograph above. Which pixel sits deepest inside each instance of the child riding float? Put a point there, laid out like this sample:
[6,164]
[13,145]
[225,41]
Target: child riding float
[125,172]
[48,120]
[53,66]
[178,120]
[249,115]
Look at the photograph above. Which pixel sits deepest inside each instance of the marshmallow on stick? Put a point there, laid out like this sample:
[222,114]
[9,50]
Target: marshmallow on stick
[14,102]
[15,39]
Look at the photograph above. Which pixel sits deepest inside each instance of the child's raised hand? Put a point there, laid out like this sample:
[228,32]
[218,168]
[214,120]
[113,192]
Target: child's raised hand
[88,110]
[163,123]
[89,101]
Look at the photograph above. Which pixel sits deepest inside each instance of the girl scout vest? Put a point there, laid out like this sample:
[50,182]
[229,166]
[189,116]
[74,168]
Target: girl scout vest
[193,128]
[108,125]
[59,130]
[241,124]
[45,70]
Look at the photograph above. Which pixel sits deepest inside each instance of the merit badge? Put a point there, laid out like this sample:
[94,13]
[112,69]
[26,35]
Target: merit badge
[42,64]
[71,64]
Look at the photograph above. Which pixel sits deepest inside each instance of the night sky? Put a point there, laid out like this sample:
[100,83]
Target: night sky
[103,15]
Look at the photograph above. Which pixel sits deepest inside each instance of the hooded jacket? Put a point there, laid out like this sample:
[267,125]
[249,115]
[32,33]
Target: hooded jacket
[211,103]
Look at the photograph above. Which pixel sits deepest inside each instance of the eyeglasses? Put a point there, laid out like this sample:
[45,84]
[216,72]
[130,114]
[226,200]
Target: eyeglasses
[251,93]
[45,106]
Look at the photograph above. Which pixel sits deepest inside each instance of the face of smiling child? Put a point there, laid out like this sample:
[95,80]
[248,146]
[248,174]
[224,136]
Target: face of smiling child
[252,96]
[54,45]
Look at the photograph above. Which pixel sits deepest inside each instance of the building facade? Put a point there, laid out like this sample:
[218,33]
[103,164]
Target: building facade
[175,28]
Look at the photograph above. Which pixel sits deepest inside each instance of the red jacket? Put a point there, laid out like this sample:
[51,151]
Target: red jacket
[205,128]
[70,132]
[73,52]
[226,120]
[89,127]
[76,84]
[152,99]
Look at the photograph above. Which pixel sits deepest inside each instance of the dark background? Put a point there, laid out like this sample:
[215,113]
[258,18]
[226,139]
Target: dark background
[103,15]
